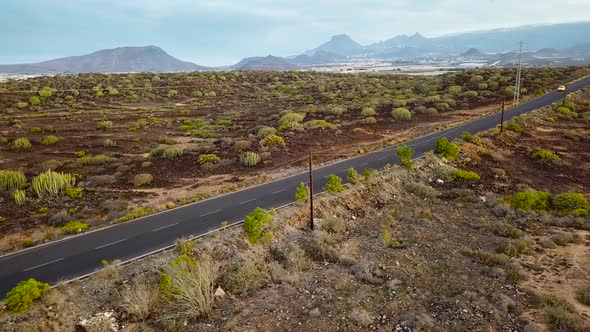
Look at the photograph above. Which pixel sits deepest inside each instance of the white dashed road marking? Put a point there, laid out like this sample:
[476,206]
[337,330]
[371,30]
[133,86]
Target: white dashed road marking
[160,228]
[36,266]
[206,214]
[109,244]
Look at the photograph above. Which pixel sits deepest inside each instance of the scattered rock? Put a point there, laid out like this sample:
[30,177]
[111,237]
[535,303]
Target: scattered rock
[360,317]
[219,292]
[103,321]
[315,313]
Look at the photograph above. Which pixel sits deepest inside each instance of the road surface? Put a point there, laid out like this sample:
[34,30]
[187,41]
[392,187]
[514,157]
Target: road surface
[79,255]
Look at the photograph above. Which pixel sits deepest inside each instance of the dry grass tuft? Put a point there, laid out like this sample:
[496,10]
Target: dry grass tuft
[141,299]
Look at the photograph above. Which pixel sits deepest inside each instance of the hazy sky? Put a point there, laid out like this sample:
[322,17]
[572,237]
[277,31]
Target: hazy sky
[219,32]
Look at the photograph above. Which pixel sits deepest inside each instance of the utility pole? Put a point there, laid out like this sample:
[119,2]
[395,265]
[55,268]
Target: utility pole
[518,75]
[502,116]
[310,194]
[564,95]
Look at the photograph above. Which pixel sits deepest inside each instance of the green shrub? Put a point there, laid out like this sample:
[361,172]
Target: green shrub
[566,112]
[530,200]
[19,196]
[570,202]
[22,144]
[334,184]
[493,259]
[51,183]
[290,120]
[545,155]
[171,153]
[265,131]
[72,192]
[202,133]
[257,225]
[504,229]
[455,89]
[367,173]
[368,111]
[559,313]
[34,100]
[250,159]
[404,154]
[352,176]
[50,140]
[514,127]
[22,104]
[319,124]
[108,143]
[185,247]
[36,130]
[401,114]
[11,180]
[45,92]
[137,213]
[461,175]
[302,193]
[467,137]
[446,148]
[273,141]
[142,179]
[583,295]
[21,297]
[74,227]
[104,125]
[208,158]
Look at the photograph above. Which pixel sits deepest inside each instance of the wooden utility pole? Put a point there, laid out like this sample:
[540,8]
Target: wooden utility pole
[310,194]
[502,116]
[564,95]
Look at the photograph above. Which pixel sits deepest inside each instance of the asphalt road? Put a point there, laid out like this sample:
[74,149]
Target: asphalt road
[82,254]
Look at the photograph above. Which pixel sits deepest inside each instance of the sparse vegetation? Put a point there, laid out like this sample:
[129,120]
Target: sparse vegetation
[22,144]
[142,179]
[11,180]
[401,114]
[302,193]
[250,159]
[334,184]
[258,224]
[545,156]
[352,176]
[21,297]
[461,175]
[51,183]
[74,227]
[446,148]
[404,154]
[50,140]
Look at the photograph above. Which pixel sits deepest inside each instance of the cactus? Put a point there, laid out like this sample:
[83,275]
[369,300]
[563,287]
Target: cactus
[51,183]
[19,196]
[11,180]
[250,159]
[208,158]
[50,140]
[21,144]
[171,153]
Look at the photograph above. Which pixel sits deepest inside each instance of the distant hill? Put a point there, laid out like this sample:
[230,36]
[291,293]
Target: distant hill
[341,45]
[264,63]
[536,37]
[473,53]
[402,41]
[122,59]
[318,57]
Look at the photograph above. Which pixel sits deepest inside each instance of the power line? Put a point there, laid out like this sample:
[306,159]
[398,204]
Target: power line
[518,75]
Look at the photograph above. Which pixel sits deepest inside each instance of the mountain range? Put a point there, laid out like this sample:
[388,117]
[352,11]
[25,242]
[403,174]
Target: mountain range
[567,40]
